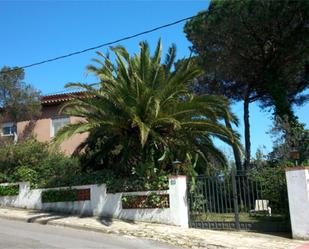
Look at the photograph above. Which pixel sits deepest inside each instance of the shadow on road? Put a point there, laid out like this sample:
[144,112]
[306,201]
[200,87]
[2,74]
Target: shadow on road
[46,217]
[108,221]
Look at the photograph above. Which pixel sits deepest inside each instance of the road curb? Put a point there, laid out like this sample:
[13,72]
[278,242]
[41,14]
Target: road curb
[13,218]
[57,223]
[120,232]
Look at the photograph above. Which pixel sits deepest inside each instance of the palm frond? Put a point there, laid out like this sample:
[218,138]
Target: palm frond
[142,110]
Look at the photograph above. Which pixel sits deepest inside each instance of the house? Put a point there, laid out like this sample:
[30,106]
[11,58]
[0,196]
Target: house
[46,126]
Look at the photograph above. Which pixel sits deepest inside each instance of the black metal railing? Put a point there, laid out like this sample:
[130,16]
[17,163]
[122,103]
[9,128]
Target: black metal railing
[235,201]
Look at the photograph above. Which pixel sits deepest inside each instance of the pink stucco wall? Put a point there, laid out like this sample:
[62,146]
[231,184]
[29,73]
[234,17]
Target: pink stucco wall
[41,129]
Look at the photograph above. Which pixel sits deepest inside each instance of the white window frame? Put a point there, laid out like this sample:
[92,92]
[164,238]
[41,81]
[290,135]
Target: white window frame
[64,119]
[8,125]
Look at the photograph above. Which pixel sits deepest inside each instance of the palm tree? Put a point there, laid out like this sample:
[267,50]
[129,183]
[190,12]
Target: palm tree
[141,116]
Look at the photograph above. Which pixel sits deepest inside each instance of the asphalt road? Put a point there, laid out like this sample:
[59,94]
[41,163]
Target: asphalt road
[18,234]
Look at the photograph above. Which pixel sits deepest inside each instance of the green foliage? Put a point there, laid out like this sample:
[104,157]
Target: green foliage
[10,190]
[273,186]
[152,200]
[59,195]
[4,178]
[18,100]
[142,117]
[113,182]
[137,184]
[255,48]
[269,173]
[288,137]
[26,174]
[198,202]
[269,170]
[32,161]
[251,51]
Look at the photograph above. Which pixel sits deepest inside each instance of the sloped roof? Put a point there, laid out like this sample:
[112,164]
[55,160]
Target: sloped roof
[59,98]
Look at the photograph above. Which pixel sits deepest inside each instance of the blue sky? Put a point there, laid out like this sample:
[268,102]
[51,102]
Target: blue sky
[32,31]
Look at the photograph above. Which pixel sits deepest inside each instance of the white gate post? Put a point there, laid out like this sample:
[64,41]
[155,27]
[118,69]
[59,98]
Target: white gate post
[178,200]
[298,191]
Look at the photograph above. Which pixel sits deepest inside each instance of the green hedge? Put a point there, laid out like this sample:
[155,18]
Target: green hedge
[11,190]
[137,184]
[145,201]
[59,195]
[114,183]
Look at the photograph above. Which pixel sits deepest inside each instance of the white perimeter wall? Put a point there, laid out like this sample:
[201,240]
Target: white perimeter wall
[298,192]
[105,204]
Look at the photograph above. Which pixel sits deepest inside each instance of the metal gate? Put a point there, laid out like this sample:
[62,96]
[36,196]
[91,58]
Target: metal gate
[235,201]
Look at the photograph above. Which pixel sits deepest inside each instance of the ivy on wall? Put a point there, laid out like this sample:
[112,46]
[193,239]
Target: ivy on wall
[59,195]
[145,201]
[10,190]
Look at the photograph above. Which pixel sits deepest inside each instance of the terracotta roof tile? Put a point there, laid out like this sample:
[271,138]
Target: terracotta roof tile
[59,98]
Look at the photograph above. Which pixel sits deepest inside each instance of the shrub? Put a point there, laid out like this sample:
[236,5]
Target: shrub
[273,186]
[57,169]
[145,201]
[26,174]
[132,184]
[32,161]
[4,178]
[10,190]
[113,182]
[59,195]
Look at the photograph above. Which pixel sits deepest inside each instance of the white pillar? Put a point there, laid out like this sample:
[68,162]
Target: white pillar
[298,192]
[24,188]
[178,200]
[98,197]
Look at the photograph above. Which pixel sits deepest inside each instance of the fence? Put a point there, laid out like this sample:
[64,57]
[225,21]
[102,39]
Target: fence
[235,201]
[94,200]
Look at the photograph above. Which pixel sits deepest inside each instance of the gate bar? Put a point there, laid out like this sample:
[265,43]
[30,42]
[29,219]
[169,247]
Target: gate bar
[235,198]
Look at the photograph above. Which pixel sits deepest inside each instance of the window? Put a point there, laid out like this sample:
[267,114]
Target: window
[8,129]
[58,123]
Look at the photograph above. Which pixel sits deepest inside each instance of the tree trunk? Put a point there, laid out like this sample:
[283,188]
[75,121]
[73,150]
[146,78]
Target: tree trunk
[247,130]
[236,151]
